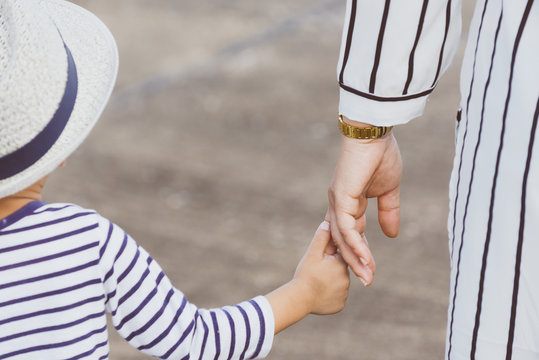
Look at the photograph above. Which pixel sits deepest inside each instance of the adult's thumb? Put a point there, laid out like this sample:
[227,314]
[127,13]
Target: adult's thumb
[389,213]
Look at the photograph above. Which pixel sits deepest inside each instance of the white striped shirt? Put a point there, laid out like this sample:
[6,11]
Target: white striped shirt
[392,56]
[393,53]
[63,267]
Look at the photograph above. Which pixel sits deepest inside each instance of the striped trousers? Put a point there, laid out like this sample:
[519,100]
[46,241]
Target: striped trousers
[494,190]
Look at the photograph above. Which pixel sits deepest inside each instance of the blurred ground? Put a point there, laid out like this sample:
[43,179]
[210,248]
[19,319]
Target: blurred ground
[216,151]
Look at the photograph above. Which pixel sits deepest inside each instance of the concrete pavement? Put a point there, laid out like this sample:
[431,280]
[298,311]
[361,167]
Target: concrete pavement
[217,149]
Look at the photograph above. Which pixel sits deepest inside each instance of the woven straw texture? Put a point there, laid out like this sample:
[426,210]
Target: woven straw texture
[33,74]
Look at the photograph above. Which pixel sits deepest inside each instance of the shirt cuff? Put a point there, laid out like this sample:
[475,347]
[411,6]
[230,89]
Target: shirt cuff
[380,113]
[269,325]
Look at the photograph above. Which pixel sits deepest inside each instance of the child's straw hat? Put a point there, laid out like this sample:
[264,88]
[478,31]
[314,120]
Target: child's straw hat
[58,65]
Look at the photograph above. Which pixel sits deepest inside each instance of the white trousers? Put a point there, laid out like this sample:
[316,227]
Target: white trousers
[494,190]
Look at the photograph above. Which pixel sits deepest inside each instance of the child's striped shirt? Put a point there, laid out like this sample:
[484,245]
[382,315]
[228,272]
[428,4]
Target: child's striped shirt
[63,267]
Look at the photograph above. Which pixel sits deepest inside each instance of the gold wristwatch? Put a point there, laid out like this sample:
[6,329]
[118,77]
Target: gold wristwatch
[354,132]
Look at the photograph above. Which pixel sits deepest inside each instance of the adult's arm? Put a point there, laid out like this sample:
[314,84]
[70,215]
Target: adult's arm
[392,55]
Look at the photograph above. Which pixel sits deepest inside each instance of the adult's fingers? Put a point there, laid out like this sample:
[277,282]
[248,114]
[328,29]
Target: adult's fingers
[389,212]
[361,224]
[357,267]
[353,250]
[348,222]
[350,225]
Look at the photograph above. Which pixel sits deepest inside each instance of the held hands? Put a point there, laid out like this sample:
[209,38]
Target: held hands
[366,169]
[320,284]
[323,275]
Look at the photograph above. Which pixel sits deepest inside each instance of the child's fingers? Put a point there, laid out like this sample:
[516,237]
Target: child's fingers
[331,248]
[324,225]
[321,241]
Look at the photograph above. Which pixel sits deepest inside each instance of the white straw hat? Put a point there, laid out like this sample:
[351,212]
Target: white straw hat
[58,65]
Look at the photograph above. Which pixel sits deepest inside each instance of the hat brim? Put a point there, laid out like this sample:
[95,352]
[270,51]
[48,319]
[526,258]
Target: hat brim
[96,57]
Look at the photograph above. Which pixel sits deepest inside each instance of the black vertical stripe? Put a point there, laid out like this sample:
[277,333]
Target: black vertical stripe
[412,53]
[458,186]
[379,47]
[440,59]
[481,125]
[511,335]
[466,128]
[483,106]
[348,39]
[493,191]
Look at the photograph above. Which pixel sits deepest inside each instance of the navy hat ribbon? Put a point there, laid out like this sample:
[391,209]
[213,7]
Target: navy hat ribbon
[21,159]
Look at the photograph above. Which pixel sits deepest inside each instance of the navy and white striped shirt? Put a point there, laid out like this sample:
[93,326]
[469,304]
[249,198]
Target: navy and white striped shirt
[63,267]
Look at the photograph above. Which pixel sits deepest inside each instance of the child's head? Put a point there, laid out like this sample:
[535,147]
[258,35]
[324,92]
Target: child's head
[58,65]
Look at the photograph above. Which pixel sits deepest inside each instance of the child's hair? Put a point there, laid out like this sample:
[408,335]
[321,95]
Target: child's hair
[58,65]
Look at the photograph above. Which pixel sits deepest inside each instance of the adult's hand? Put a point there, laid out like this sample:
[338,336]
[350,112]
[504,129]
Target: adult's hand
[366,169]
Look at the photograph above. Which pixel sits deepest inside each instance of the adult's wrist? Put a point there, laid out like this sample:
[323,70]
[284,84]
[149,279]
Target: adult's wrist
[361,131]
[355,122]
[348,142]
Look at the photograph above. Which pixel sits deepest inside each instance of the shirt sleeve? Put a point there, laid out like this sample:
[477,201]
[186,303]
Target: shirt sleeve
[157,319]
[392,55]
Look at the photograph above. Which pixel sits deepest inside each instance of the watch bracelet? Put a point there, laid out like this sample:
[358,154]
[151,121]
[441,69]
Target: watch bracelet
[354,132]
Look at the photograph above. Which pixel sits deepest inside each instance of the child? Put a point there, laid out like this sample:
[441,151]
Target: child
[63,267]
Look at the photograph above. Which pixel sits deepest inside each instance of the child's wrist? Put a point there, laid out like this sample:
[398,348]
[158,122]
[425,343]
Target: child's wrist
[304,293]
[290,303]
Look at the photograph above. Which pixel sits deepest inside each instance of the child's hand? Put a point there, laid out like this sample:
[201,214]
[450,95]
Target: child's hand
[323,274]
[320,285]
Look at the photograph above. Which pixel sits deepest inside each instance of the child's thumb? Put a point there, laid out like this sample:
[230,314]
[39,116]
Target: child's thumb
[321,242]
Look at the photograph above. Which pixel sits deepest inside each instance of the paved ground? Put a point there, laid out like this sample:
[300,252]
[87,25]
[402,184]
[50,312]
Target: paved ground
[217,149]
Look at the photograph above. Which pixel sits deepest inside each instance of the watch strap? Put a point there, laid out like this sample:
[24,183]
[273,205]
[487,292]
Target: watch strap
[355,132]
